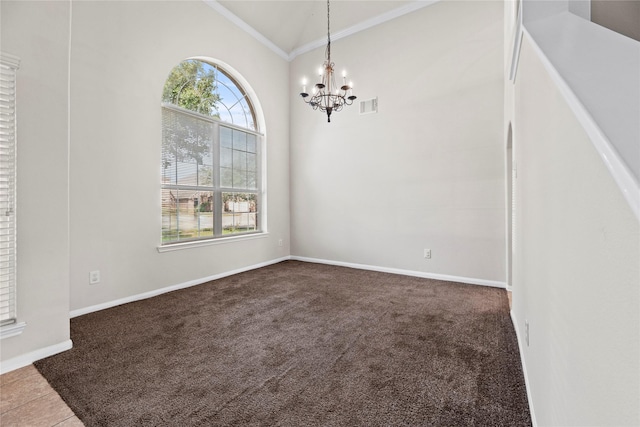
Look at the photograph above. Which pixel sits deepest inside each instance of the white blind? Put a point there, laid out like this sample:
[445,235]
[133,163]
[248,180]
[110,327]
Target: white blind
[8,68]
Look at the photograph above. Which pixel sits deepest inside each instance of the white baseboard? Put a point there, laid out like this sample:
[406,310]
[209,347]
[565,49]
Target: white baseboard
[524,370]
[156,292]
[445,277]
[28,358]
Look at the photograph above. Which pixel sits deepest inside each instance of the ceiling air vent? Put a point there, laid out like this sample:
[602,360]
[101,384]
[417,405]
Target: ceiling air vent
[369,106]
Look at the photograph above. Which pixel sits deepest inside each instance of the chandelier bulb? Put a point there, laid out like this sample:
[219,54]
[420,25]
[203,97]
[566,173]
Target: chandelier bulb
[326,95]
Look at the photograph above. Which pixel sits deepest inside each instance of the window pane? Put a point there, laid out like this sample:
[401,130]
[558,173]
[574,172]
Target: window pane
[226,157]
[225,137]
[186,145]
[168,172]
[239,140]
[239,169]
[205,175]
[204,88]
[192,85]
[239,160]
[188,215]
[239,212]
[187,173]
[226,177]
[228,98]
[247,113]
[252,184]
[239,114]
[225,114]
[251,143]
[169,121]
[252,164]
[190,166]
[205,214]
[239,179]
[169,216]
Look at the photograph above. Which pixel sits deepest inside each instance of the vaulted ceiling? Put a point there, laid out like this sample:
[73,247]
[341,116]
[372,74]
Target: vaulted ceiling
[295,26]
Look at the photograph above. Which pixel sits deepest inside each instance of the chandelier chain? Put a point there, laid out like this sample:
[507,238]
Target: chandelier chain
[327,96]
[328,53]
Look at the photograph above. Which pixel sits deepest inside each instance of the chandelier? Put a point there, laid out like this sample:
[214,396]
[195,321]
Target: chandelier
[326,96]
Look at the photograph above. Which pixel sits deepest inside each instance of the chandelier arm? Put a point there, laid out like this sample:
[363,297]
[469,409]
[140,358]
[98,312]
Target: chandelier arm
[327,96]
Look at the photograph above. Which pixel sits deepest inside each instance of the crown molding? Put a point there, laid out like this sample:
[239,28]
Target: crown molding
[372,22]
[364,25]
[247,28]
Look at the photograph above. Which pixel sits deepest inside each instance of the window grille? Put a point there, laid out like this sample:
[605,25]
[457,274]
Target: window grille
[211,156]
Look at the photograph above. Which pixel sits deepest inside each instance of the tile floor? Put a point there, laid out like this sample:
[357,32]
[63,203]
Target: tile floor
[27,400]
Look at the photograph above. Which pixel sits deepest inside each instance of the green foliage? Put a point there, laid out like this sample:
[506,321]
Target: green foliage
[192,85]
[184,139]
[238,197]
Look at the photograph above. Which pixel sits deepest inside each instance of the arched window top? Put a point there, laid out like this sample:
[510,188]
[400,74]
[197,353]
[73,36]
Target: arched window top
[209,90]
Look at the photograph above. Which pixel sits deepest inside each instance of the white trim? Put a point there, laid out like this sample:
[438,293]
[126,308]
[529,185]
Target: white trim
[156,292]
[209,119]
[33,356]
[246,27]
[524,370]
[508,241]
[517,40]
[12,330]
[424,275]
[622,176]
[364,25]
[515,58]
[217,241]
[372,22]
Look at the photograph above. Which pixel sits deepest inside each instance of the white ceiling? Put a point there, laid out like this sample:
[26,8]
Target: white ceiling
[291,27]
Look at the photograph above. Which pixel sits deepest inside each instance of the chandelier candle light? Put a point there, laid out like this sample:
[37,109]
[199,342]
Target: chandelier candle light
[326,96]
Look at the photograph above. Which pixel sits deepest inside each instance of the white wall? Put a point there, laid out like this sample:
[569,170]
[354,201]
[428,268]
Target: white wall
[38,33]
[92,201]
[121,54]
[600,69]
[427,170]
[576,269]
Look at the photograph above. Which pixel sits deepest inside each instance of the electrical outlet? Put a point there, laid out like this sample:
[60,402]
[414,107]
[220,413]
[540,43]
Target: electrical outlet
[427,253]
[94,277]
[526,332]
[280,242]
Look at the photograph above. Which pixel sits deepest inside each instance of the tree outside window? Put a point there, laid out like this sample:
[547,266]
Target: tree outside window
[210,156]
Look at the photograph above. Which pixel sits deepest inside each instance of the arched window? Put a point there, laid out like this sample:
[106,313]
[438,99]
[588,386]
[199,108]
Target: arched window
[211,155]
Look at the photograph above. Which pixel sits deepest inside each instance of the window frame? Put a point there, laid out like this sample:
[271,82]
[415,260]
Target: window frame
[9,325]
[216,188]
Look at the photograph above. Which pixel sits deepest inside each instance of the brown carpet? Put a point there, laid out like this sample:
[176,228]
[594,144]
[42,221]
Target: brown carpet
[298,344]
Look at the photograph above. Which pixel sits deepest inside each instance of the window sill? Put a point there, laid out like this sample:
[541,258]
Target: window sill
[12,330]
[210,242]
